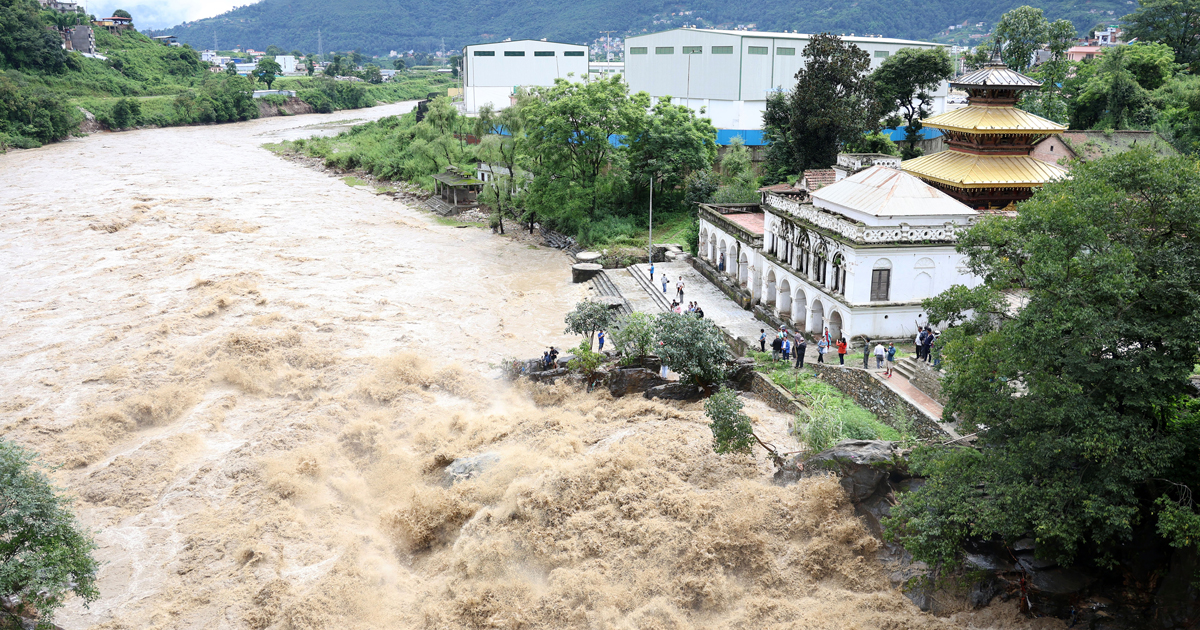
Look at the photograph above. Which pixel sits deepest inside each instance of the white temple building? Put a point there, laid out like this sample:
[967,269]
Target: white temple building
[856,256]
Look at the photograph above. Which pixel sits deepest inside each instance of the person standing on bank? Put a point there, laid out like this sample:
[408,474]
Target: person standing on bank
[842,346]
[927,348]
[787,349]
[762,339]
[801,348]
[776,348]
[879,354]
[652,273]
[601,335]
[891,359]
[822,348]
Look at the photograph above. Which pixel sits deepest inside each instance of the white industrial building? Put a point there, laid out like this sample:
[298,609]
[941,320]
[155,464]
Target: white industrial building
[856,256]
[731,73]
[493,72]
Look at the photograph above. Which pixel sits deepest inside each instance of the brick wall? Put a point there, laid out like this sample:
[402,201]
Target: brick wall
[877,398]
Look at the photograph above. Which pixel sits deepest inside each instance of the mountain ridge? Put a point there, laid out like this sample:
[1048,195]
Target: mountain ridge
[379,26]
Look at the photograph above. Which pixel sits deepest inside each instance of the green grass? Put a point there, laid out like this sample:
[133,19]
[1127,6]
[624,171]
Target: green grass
[452,222]
[353,181]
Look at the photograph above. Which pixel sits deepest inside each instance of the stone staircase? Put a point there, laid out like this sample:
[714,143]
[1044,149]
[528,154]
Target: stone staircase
[602,285]
[642,275]
[907,367]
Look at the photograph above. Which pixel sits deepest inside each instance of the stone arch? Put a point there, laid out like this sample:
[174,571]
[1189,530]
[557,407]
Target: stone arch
[784,303]
[721,260]
[769,297]
[836,325]
[712,249]
[704,243]
[816,317]
[924,263]
[743,268]
[799,309]
[839,273]
[731,264]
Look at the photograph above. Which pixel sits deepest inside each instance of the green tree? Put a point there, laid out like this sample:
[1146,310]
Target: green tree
[122,13]
[1048,101]
[731,429]
[1179,122]
[670,144]
[45,554]
[1080,395]
[1110,96]
[692,347]
[455,65]
[25,44]
[1175,23]
[310,66]
[266,71]
[634,336]
[567,140]
[831,104]
[398,65]
[904,83]
[1019,33]
[739,183]
[231,68]
[371,74]
[126,113]
[274,51]
[1152,64]
[501,151]
[588,318]
[875,142]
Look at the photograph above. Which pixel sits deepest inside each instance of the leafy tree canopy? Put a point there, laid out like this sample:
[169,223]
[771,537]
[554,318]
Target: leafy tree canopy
[266,70]
[122,13]
[588,318]
[1175,23]
[45,555]
[692,347]
[904,83]
[1071,361]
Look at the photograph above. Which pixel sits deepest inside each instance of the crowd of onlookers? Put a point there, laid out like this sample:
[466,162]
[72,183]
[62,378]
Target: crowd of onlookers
[793,346]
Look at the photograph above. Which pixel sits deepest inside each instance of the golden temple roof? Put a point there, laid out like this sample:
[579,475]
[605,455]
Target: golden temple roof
[992,119]
[998,75]
[965,170]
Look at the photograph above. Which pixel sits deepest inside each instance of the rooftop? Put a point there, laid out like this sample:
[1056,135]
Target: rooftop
[991,119]
[964,170]
[451,178]
[886,192]
[778,35]
[752,221]
[995,74]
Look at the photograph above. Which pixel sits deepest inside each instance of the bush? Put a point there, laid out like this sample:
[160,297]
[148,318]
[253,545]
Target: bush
[693,347]
[730,427]
[44,552]
[634,336]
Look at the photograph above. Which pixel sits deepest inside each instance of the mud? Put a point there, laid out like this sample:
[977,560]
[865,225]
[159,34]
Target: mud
[253,375]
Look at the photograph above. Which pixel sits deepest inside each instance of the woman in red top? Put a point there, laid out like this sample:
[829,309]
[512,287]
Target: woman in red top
[841,346]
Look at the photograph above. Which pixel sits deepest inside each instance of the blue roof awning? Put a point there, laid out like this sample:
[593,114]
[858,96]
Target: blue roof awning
[750,137]
[899,133]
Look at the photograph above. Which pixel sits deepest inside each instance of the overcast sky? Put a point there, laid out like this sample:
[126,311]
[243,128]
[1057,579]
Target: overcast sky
[163,13]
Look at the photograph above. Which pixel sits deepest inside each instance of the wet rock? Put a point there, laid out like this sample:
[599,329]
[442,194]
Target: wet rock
[862,465]
[1025,544]
[548,376]
[1031,564]
[1061,581]
[987,562]
[674,391]
[466,468]
[626,381]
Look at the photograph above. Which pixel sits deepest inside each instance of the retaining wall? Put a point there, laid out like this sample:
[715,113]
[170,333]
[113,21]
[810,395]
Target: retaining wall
[775,396]
[877,398]
[928,380]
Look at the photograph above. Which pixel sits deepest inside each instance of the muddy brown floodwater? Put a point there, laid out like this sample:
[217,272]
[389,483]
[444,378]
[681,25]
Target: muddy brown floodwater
[252,375]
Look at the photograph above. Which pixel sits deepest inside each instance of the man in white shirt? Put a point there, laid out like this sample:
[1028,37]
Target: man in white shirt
[879,352]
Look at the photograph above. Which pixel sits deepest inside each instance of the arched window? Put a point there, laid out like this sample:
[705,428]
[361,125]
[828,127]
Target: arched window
[839,271]
[881,280]
[821,264]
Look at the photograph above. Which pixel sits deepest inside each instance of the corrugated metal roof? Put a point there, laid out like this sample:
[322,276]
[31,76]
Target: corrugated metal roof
[887,192]
[993,119]
[899,134]
[964,170]
[995,75]
[779,35]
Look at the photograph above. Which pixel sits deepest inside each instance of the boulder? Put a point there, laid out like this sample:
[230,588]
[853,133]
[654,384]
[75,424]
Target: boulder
[627,381]
[548,376]
[466,468]
[611,301]
[862,465]
[674,391]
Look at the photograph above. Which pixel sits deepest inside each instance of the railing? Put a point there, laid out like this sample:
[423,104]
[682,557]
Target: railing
[860,233]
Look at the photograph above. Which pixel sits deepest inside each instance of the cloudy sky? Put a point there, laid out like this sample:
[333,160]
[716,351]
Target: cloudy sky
[163,13]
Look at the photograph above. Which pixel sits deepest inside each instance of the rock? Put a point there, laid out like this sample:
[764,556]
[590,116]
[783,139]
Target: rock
[611,301]
[1032,564]
[652,363]
[987,562]
[862,465]
[1061,581]
[466,468]
[1025,544]
[674,391]
[548,376]
[582,272]
[627,381]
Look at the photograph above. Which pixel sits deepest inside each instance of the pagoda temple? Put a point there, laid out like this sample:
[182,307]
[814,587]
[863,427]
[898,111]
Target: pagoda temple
[987,164]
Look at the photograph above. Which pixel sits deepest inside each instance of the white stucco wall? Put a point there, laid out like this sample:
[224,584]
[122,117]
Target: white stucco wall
[491,72]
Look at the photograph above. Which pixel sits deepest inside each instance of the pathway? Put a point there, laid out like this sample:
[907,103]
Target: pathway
[723,311]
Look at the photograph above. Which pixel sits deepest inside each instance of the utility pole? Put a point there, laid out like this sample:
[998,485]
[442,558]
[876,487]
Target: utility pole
[608,44]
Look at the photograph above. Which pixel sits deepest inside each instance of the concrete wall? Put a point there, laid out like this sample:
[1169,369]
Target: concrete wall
[492,71]
[875,396]
[733,86]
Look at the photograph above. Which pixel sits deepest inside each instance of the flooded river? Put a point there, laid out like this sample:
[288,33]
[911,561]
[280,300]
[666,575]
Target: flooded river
[254,374]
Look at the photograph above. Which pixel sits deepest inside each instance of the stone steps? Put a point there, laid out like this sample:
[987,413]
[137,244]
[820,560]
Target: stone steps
[656,294]
[603,285]
[907,367]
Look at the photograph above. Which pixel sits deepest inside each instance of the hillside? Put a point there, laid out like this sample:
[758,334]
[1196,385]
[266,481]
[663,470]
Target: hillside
[377,26]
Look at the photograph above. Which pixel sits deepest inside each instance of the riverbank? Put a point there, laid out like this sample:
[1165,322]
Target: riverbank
[254,376]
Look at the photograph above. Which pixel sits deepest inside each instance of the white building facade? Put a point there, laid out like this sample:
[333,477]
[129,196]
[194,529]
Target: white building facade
[731,73]
[856,257]
[493,72]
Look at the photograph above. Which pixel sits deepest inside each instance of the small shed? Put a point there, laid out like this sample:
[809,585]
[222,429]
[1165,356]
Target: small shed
[456,188]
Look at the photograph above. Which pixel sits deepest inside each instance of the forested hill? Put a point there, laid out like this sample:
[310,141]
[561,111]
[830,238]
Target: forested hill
[377,26]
